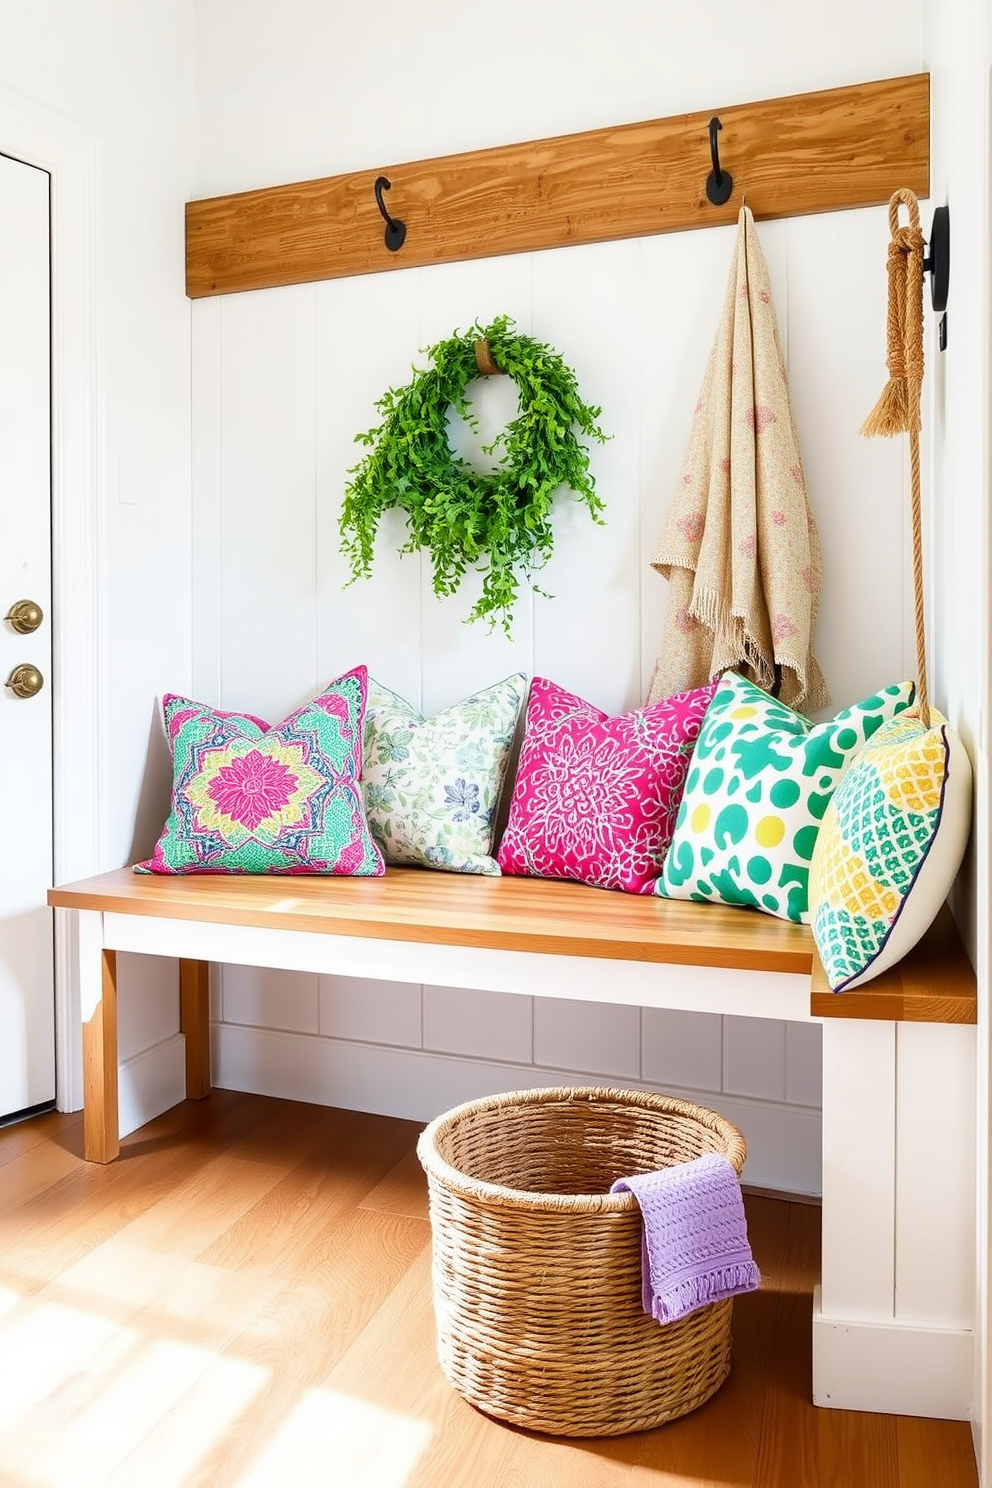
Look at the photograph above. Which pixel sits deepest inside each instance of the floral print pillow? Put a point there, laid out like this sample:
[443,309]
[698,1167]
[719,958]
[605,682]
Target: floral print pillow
[432,785]
[247,798]
[595,798]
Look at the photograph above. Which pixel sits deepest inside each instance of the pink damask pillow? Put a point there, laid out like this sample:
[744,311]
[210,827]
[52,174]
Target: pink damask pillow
[595,798]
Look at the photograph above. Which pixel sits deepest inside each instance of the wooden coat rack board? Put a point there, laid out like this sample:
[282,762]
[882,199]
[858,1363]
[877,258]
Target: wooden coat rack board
[812,152]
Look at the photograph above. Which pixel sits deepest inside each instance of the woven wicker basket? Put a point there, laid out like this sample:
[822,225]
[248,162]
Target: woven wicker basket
[537,1267]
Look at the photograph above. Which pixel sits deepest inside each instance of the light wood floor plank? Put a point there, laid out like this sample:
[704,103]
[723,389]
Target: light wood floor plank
[327,1185]
[244,1301]
[928,1457]
[304,1329]
[402,1191]
[801,1445]
[93,1202]
[22,1135]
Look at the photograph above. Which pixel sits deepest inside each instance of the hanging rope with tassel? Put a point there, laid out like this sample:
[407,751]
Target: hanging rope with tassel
[898,409]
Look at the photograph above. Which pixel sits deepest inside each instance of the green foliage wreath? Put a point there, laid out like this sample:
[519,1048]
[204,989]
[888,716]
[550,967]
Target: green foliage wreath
[498,523]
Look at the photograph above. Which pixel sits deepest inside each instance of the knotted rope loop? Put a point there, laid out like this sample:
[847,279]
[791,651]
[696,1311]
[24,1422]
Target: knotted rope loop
[898,409]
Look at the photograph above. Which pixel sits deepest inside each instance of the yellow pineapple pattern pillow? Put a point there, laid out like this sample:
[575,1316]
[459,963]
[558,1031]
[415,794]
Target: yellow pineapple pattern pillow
[891,842]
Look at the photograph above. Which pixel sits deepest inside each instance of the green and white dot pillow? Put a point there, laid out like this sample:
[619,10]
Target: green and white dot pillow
[432,785]
[759,783]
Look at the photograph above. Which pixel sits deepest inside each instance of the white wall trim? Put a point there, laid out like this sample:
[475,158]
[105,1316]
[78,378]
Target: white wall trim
[896,1368]
[52,143]
[416,1085]
[151,1082]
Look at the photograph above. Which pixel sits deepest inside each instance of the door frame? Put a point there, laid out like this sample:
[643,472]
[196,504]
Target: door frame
[41,138]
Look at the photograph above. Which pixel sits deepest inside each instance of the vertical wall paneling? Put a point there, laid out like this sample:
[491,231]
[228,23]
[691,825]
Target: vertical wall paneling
[373,1011]
[836,359]
[754,1057]
[366,342]
[265,587]
[680,1048]
[206,556]
[599,1038]
[459,658]
[586,305]
[269,562]
[148,1010]
[803,1064]
[263,998]
[481,1025]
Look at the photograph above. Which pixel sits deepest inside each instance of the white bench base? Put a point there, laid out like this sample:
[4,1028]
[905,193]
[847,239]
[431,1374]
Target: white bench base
[892,1327]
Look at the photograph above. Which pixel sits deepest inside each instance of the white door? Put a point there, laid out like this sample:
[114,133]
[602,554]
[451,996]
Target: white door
[27,1009]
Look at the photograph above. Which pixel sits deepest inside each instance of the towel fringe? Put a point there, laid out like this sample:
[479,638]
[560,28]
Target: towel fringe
[699,1291]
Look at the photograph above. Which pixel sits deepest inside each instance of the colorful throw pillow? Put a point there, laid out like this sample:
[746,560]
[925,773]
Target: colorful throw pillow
[432,785]
[247,798]
[760,780]
[891,843]
[596,796]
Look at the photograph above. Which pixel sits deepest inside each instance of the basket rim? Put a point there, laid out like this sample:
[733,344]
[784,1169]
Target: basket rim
[438,1168]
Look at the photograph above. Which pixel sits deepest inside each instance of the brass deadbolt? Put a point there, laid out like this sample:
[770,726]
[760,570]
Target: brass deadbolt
[25,681]
[25,616]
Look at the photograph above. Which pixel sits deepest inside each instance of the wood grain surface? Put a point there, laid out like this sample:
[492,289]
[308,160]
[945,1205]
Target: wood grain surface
[194,1022]
[935,983]
[505,913]
[811,152]
[246,1299]
[100,1075]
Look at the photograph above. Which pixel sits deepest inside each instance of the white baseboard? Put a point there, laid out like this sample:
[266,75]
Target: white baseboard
[151,1082]
[784,1141]
[892,1367]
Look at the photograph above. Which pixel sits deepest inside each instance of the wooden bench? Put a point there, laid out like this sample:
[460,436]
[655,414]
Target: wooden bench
[898,1054]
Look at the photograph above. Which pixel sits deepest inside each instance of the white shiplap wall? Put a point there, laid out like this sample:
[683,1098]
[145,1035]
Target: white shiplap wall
[284,379]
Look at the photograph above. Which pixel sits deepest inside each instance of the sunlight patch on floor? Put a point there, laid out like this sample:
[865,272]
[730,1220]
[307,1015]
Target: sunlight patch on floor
[197,1426]
[107,1428]
[8,1300]
[40,1349]
[334,1438]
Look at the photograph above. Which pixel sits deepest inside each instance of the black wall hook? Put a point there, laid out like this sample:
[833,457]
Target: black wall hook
[937,263]
[395,232]
[719,183]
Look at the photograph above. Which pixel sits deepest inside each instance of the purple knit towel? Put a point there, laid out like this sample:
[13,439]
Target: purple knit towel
[694,1241]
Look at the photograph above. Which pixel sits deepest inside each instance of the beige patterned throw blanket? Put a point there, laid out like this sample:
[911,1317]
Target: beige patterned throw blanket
[740,548]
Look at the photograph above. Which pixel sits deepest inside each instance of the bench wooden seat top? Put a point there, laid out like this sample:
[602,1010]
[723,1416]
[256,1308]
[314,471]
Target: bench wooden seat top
[935,983]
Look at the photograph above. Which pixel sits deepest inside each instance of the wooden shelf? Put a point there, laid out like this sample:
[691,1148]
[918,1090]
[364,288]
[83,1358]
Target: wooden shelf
[935,983]
[461,909]
[811,152]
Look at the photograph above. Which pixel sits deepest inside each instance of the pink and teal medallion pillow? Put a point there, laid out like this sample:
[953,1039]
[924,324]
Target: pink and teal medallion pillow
[595,797]
[247,798]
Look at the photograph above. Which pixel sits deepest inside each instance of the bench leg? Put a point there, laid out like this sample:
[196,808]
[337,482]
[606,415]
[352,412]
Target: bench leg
[194,1020]
[894,1314]
[101,1123]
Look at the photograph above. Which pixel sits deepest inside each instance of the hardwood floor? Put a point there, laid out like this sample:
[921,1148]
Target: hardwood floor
[243,1301]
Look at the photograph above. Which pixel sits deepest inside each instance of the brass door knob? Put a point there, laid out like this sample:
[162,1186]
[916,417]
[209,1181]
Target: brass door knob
[25,681]
[25,616]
